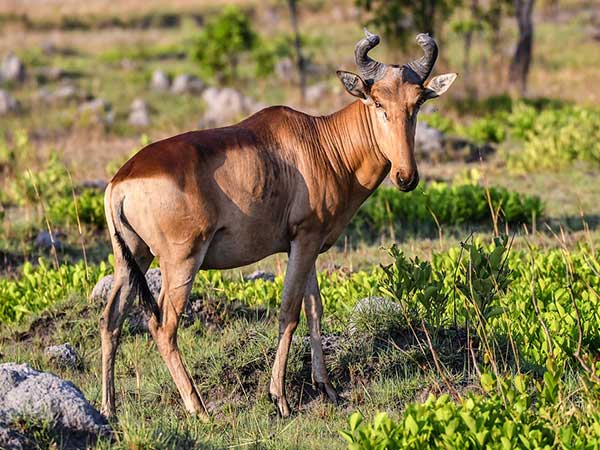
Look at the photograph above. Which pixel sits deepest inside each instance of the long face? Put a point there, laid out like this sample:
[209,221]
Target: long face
[393,95]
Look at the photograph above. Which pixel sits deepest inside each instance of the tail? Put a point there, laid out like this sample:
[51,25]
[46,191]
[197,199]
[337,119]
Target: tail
[137,277]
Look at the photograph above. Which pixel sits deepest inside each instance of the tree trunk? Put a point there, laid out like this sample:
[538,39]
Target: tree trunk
[519,66]
[467,44]
[300,61]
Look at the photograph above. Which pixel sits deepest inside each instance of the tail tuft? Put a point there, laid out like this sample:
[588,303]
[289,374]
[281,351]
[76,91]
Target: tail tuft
[138,278]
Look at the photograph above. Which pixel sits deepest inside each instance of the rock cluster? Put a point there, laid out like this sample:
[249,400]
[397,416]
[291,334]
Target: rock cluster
[160,81]
[7,103]
[139,114]
[12,69]
[103,288]
[45,398]
[260,275]
[225,105]
[187,84]
[63,355]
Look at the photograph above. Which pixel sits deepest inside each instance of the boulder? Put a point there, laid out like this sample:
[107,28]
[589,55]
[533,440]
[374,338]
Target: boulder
[12,69]
[45,74]
[137,320]
[260,275]
[45,241]
[46,398]
[97,111]
[63,355]
[225,105]
[160,81]
[7,103]
[96,105]
[187,84]
[94,184]
[11,439]
[63,93]
[429,141]
[139,114]
[103,288]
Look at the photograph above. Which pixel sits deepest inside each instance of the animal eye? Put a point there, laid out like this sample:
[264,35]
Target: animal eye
[377,105]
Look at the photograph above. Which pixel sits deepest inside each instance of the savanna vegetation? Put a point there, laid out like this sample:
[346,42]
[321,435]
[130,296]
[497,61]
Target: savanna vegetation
[485,330]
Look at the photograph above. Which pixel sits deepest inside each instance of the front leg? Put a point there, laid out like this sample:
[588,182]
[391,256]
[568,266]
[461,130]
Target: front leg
[313,308]
[303,254]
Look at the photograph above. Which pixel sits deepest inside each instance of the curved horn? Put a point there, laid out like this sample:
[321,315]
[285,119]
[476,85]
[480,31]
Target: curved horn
[423,66]
[369,68]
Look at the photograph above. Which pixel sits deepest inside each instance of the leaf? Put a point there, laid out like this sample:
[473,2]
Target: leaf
[355,420]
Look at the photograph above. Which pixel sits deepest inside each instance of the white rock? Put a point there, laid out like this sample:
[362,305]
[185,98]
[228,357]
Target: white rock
[12,69]
[7,102]
[260,275]
[428,140]
[96,105]
[47,398]
[45,241]
[187,84]
[225,105]
[160,81]
[139,115]
[63,355]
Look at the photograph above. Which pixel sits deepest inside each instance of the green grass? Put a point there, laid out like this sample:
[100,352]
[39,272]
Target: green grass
[377,361]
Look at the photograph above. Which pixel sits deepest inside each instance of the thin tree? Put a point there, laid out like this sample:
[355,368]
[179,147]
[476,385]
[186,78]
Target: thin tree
[521,61]
[300,61]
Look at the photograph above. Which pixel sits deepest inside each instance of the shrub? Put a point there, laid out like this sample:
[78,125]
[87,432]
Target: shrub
[488,129]
[41,286]
[223,40]
[90,209]
[448,205]
[51,182]
[557,139]
[517,417]
[439,122]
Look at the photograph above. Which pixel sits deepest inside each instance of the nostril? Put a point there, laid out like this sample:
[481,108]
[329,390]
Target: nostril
[399,178]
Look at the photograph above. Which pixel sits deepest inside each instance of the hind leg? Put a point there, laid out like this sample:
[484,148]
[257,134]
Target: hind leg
[178,277]
[115,312]
[313,308]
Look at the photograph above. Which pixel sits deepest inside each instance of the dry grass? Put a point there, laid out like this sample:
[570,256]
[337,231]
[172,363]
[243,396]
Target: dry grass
[48,9]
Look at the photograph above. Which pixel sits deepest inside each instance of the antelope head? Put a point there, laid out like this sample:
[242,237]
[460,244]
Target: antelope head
[393,95]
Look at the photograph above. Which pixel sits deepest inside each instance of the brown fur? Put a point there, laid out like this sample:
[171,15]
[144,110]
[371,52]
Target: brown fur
[279,181]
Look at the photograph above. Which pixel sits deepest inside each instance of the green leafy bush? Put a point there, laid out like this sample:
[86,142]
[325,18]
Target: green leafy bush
[557,139]
[48,184]
[487,129]
[223,40]
[515,417]
[444,204]
[439,122]
[89,208]
[41,286]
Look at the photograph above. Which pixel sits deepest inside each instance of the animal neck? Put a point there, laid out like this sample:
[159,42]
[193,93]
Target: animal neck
[349,141]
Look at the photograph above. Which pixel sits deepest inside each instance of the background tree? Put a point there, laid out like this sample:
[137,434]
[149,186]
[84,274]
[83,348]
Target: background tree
[300,60]
[222,42]
[521,61]
[398,19]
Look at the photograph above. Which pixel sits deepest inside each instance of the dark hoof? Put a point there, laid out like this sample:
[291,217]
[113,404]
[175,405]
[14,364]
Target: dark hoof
[327,389]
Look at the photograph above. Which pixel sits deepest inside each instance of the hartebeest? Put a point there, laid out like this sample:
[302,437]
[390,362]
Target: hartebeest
[279,181]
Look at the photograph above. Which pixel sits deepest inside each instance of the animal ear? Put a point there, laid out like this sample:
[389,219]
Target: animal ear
[354,84]
[438,85]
